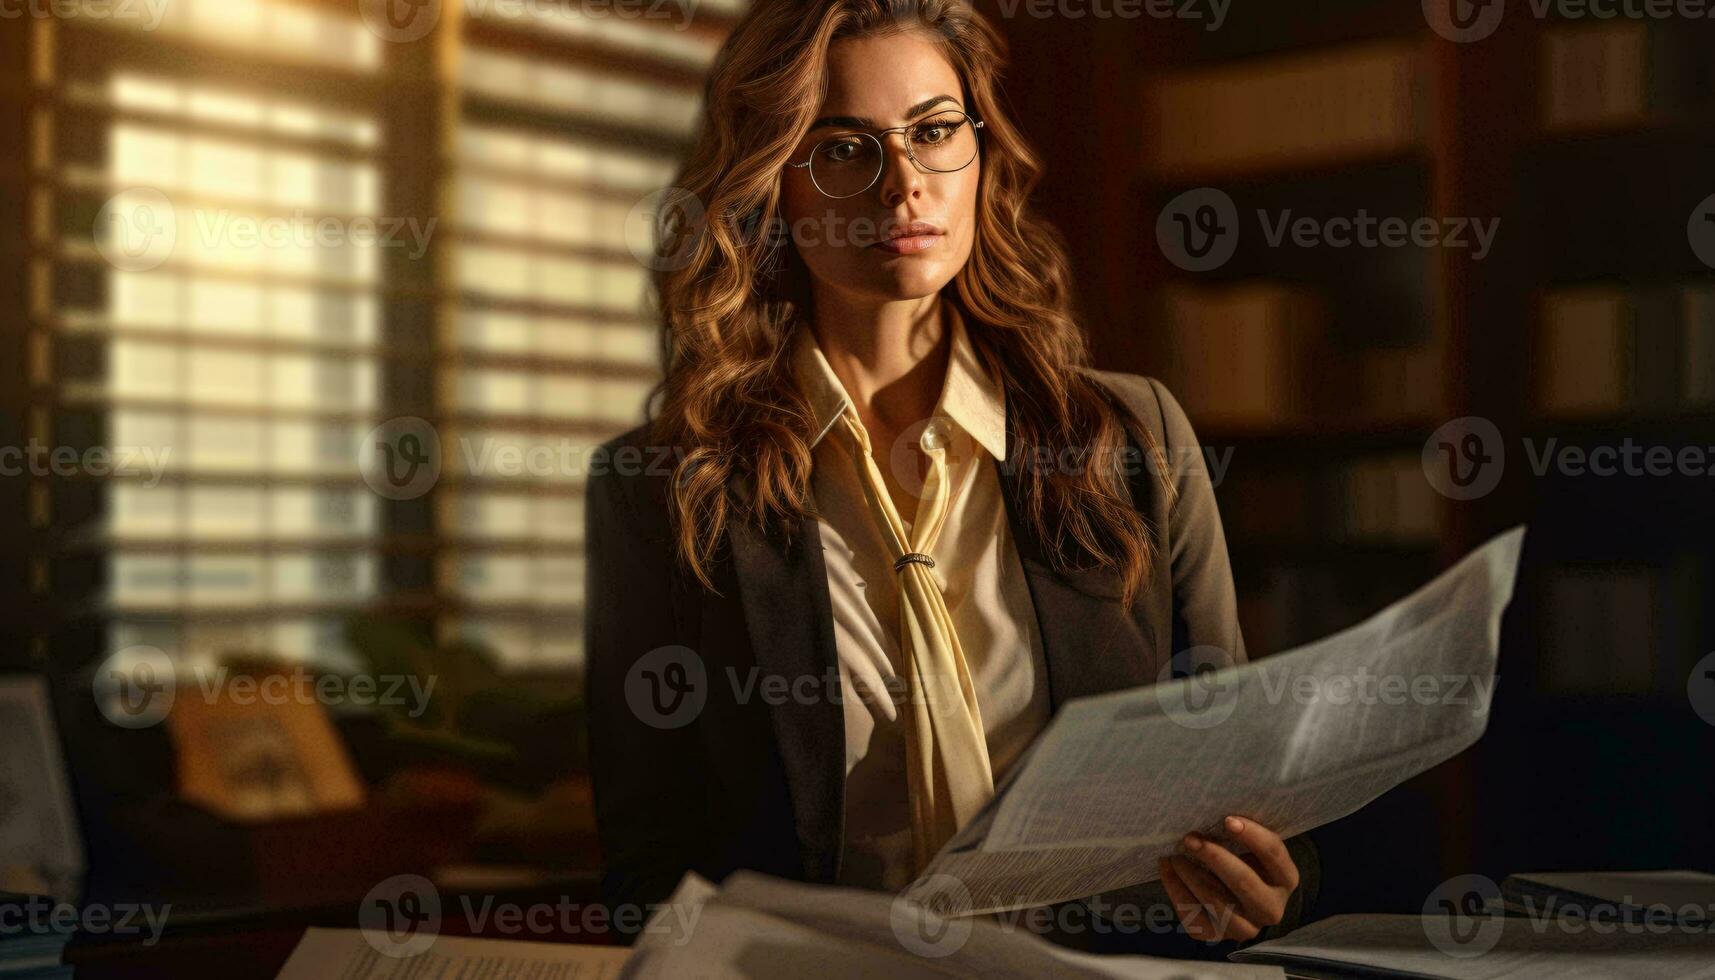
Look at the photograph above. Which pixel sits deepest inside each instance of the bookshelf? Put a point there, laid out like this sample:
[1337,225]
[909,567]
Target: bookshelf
[1325,369]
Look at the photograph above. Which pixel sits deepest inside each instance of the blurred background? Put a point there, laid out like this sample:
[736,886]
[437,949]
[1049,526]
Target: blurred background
[251,231]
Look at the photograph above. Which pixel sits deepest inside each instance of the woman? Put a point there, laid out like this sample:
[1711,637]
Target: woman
[878,529]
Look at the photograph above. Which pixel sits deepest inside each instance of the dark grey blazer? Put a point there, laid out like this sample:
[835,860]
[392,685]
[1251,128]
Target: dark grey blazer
[757,782]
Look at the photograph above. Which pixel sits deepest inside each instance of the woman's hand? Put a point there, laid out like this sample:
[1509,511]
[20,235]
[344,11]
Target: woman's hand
[1220,895]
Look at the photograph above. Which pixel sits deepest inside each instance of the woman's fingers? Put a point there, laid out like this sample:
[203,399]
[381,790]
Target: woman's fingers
[1219,904]
[1273,859]
[1261,902]
[1191,912]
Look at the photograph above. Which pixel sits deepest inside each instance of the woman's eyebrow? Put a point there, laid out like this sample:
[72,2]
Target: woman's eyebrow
[862,122]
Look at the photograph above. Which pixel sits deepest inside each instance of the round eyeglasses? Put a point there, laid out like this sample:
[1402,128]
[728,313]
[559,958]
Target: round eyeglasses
[850,163]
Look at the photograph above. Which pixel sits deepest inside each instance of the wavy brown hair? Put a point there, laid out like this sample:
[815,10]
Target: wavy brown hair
[737,289]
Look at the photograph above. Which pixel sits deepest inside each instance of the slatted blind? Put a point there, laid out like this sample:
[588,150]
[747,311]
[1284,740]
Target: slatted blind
[197,326]
[241,376]
[569,121]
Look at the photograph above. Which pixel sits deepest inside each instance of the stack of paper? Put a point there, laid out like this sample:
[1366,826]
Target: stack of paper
[1292,741]
[762,927]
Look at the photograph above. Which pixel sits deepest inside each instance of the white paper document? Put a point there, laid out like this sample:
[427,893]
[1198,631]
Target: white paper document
[1479,948]
[759,927]
[344,954]
[1292,741]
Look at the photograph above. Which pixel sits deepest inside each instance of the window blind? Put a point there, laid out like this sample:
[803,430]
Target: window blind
[210,301]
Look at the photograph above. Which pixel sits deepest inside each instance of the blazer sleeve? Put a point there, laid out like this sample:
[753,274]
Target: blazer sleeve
[647,780]
[1205,603]
[1204,608]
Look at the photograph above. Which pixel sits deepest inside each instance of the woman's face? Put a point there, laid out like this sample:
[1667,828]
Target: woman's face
[849,244]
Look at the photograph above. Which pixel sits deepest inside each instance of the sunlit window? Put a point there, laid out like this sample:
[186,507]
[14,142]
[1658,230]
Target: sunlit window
[230,315]
[558,347]
[217,307]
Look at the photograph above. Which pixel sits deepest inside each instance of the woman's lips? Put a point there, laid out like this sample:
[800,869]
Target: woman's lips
[909,244]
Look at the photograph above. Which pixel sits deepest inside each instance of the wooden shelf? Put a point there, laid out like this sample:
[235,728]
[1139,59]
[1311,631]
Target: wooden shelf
[1650,133]
[1340,436]
[1599,204]
[1290,170]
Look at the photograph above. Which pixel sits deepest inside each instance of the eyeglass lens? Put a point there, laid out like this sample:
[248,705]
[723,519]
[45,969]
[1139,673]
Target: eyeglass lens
[848,164]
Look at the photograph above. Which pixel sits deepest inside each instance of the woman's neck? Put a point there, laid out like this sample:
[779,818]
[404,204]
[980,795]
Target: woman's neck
[891,357]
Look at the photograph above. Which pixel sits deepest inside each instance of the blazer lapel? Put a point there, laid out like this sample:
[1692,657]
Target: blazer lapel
[784,592]
[1085,631]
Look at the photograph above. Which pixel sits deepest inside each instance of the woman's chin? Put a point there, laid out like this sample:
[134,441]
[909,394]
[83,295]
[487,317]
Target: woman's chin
[908,280]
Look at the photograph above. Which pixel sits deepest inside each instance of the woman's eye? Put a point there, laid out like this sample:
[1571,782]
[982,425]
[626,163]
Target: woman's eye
[935,132]
[841,152]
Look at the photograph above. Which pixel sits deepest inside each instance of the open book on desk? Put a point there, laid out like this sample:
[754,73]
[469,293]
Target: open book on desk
[1292,741]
